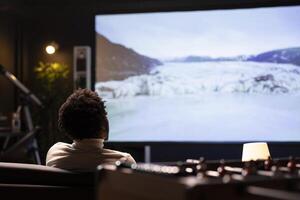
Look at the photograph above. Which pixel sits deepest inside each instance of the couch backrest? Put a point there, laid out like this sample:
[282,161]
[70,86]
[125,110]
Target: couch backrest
[18,173]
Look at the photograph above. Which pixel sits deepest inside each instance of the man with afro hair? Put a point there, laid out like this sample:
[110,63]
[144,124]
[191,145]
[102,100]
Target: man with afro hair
[83,118]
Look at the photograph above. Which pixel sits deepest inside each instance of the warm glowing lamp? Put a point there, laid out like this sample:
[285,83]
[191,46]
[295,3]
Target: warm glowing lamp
[255,151]
[51,48]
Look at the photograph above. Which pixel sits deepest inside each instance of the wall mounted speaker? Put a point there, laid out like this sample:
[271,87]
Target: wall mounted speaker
[82,67]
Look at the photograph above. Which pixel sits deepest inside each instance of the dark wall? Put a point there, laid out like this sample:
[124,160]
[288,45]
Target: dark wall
[66,29]
[26,29]
[23,38]
[8,41]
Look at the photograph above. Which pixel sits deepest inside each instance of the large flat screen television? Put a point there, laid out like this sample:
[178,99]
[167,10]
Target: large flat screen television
[215,75]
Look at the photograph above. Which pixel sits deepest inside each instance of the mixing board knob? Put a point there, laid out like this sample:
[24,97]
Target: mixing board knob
[201,167]
[268,163]
[291,164]
[221,168]
[276,168]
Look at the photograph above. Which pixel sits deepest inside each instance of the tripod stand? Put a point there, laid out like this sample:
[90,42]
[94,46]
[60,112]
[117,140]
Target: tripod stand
[27,96]
[31,131]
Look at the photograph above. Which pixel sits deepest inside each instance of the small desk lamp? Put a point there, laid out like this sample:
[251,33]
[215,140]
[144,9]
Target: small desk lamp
[255,151]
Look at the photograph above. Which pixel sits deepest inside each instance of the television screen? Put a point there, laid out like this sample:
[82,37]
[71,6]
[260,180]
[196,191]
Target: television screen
[217,75]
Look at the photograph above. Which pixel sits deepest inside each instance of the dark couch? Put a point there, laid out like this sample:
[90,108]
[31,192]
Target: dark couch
[28,181]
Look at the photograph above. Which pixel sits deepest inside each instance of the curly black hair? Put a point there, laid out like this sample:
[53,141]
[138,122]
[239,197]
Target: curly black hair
[83,116]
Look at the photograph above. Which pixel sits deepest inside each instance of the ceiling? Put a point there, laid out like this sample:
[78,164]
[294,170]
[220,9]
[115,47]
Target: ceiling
[53,7]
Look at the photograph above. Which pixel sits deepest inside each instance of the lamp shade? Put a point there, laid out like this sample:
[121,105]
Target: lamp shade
[255,151]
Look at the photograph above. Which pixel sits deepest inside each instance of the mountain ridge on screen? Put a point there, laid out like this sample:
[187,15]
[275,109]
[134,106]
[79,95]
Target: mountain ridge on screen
[283,56]
[117,62]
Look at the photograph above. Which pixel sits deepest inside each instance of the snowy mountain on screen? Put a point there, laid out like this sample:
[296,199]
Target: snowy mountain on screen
[212,77]
[209,59]
[289,55]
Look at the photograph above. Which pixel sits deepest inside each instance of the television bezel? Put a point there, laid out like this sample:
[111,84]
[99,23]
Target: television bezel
[154,6]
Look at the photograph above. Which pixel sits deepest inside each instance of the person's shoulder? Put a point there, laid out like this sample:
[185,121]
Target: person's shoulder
[110,151]
[58,150]
[60,145]
[121,155]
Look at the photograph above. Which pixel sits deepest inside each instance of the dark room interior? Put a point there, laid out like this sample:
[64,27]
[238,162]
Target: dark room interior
[28,129]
